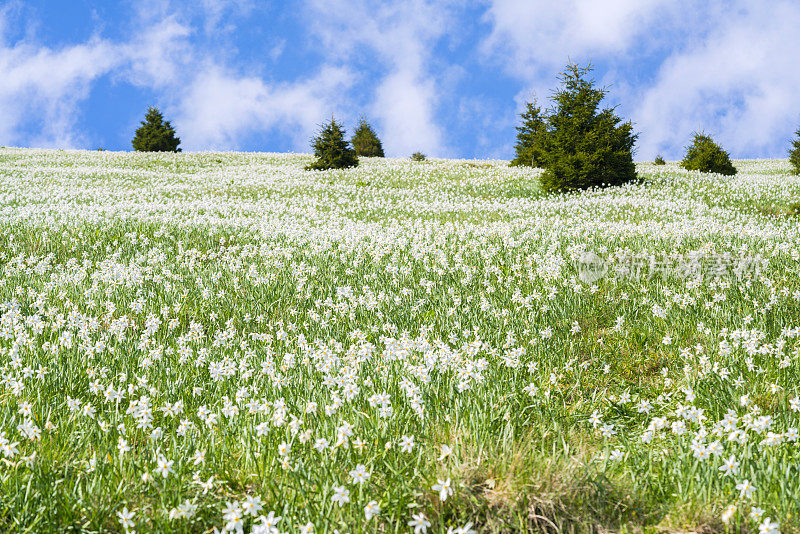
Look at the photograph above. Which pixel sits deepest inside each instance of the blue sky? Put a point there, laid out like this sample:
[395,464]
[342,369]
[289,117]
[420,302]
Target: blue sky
[448,78]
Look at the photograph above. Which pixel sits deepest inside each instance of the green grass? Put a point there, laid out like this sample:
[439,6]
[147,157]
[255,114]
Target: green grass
[448,287]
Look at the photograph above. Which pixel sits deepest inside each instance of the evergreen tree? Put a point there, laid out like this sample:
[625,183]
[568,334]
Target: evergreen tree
[794,154]
[705,155]
[155,134]
[531,137]
[586,146]
[365,141]
[331,149]
[659,160]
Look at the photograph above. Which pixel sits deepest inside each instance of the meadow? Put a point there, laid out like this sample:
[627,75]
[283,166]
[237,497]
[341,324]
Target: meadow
[203,341]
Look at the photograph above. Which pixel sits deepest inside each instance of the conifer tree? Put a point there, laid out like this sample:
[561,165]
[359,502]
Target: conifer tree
[705,155]
[794,153]
[586,146]
[331,149]
[531,137]
[365,141]
[155,134]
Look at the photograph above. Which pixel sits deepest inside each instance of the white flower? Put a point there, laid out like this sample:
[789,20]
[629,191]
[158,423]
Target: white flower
[746,488]
[372,509]
[728,513]
[443,487]
[359,474]
[198,457]
[187,510]
[164,467]
[125,518]
[446,451]
[607,430]
[769,527]
[207,485]
[284,449]
[700,451]
[406,443]
[341,495]
[420,523]
[730,466]
[466,529]
[232,513]
[252,505]
[714,448]
[595,418]
[268,524]
[678,427]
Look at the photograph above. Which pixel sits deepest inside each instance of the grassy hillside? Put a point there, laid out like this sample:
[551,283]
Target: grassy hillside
[199,340]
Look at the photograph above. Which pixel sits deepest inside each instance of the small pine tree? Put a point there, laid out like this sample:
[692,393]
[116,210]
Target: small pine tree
[331,149]
[418,156]
[531,137]
[586,147]
[659,160]
[365,141]
[155,134]
[705,155]
[794,153]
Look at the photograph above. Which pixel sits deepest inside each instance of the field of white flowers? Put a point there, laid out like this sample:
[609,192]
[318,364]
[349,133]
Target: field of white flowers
[223,340]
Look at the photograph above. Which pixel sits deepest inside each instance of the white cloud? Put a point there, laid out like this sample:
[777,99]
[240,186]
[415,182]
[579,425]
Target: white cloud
[41,89]
[43,86]
[220,108]
[277,50]
[536,35]
[726,67]
[401,37]
[160,52]
[740,85]
[405,106]
[216,11]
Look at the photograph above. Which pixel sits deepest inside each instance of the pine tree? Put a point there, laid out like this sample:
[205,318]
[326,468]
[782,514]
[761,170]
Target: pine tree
[332,150]
[794,154]
[586,146]
[531,137]
[155,134]
[365,141]
[705,155]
